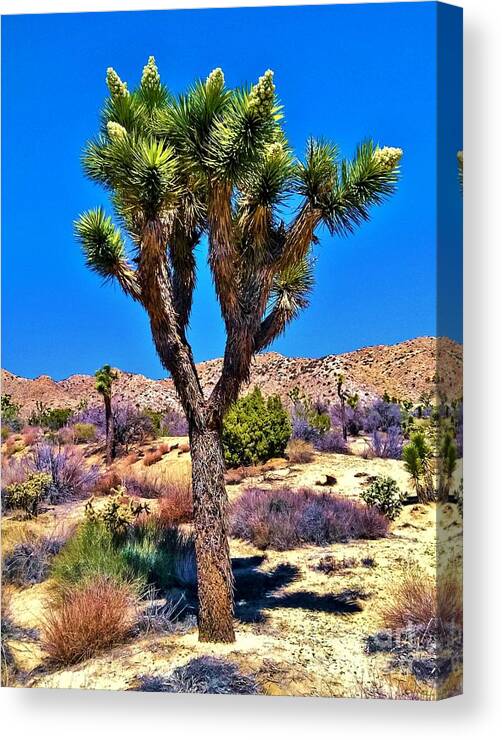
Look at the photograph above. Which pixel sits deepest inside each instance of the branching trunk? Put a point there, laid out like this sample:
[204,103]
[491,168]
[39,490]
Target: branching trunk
[110,431]
[215,582]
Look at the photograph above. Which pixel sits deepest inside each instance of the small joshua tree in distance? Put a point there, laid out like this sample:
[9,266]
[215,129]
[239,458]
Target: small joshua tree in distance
[215,162]
[105,377]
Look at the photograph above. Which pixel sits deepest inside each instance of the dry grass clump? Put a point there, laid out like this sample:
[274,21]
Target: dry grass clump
[28,561]
[152,457]
[31,435]
[176,502]
[300,451]
[130,459]
[183,447]
[88,620]
[416,599]
[330,565]
[203,675]
[109,480]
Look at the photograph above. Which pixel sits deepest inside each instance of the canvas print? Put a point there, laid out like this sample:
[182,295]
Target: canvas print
[232,351]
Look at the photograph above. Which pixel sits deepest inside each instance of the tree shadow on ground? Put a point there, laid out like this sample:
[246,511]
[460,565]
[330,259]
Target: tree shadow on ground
[255,592]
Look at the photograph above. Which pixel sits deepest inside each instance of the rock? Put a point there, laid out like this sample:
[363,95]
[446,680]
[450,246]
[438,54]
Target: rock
[277,474]
[326,480]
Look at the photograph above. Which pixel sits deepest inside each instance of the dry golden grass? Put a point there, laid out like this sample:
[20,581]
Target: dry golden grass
[87,620]
[415,598]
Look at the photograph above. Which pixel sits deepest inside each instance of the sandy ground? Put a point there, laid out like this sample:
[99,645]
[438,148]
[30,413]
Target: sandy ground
[303,632]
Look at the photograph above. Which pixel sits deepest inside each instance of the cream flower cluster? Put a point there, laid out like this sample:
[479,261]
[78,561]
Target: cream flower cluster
[117,88]
[216,78]
[150,77]
[388,156]
[261,99]
[115,130]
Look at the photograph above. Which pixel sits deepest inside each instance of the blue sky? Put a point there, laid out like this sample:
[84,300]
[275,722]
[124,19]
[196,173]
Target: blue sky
[342,72]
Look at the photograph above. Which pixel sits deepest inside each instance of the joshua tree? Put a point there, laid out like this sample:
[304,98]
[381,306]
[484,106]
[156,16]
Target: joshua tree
[104,379]
[215,163]
[417,457]
[345,397]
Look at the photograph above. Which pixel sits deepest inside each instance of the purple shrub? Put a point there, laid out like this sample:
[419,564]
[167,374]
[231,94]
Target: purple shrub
[381,415]
[284,519]
[386,444]
[175,423]
[331,441]
[72,478]
[94,415]
[131,425]
[354,418]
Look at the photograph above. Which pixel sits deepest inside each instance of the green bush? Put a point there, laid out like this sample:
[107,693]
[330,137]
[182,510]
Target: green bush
[255,429]
[10,413]
[384,495]
[48,418]
[5,433]
[84,432]
[89,554]
[28,494]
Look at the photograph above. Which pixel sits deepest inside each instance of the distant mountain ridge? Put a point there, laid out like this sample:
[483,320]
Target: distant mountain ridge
[406,370]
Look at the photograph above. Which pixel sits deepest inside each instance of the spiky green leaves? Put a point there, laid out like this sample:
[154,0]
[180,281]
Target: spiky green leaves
[342,192]
[292,286]
[117,88]
[105,377]
[101,242]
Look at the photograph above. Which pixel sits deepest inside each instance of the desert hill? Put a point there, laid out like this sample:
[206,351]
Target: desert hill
[405,370]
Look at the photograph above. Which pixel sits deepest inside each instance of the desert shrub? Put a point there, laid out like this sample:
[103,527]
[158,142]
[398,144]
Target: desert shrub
[308,419]
[105,482]
[28,494]
[203,675]
[8,631]
[94,415]
[49,418]
[131,425]
[89,554]
[159,427]
[161,556]
[71,477]
[10,413]
[130,459]
[284,519]
[152,457]
[255,429]
[417,599]
[381,415]
[175,505]
[332,441]
[14,470]
[12,446]
[144,484]
[387,444]
[384,495]
[330,565]
[84,432]
[31,435]
[28,562]
[5,433]
[118,514]
[88,620]
[299,451]
[175,423]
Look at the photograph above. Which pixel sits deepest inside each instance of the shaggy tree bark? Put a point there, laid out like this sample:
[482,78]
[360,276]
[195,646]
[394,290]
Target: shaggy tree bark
[214,579]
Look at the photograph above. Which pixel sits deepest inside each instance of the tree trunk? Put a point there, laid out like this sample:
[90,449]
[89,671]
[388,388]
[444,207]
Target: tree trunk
[110,435]
[214,570]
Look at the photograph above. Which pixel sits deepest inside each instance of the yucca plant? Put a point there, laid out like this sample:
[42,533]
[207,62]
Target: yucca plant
[105,377]
[215,163]
[417,458]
